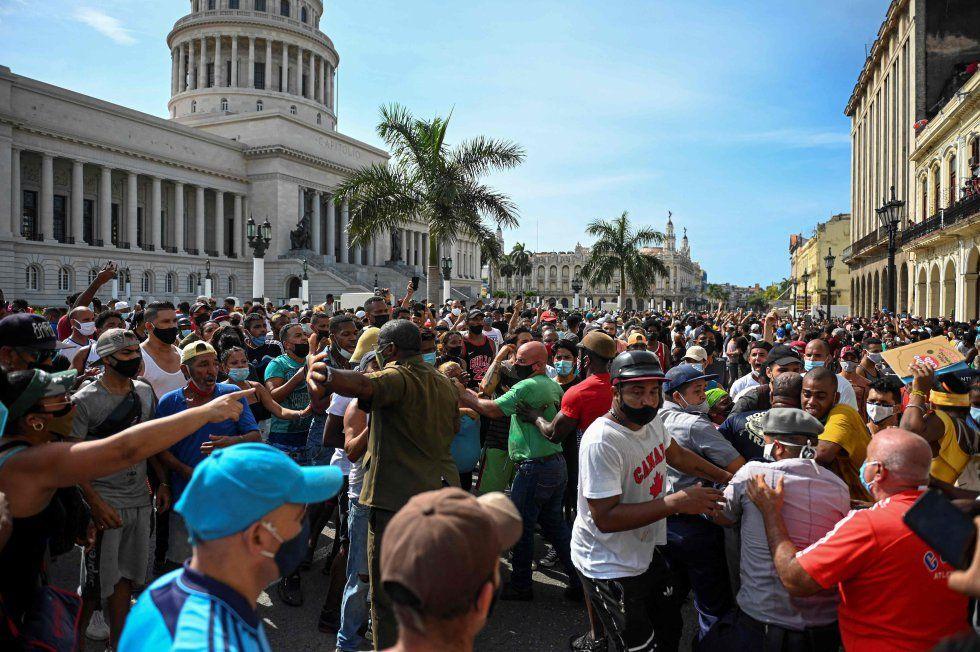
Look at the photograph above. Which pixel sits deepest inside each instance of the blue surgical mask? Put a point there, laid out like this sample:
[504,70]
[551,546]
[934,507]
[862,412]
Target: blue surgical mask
[184,332]
[3,418]
[429,358]
[867,485]
[258,341]
[974,414]
[126,315]
[563,367]
[812,364]
[239,375]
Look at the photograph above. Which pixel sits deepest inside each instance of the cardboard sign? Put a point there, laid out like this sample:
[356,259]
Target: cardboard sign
[937,352]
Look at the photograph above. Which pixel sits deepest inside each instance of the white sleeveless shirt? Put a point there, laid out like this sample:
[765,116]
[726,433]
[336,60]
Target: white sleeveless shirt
[161,381]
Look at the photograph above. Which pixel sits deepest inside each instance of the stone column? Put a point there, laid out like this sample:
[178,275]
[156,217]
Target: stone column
[344,236]
[251,62]
[404,256]
[233,82]
[331,73]
[236,240]
[179,217]
[156,215]
[7,163]
[268,65]
[182,68]
[77,195]
[219,223]
[285,67]
[218,68]
[323,81]
[199,233]
[131,178]
[174,55]
[16,214]
[105,206]
[372,246]
[202,72]
[331,230]
[317,196]
[47,197]
[314,80]
[191,67]
[299,71]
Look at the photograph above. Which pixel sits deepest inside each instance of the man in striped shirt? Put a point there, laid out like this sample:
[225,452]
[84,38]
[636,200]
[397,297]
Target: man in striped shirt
[245,510]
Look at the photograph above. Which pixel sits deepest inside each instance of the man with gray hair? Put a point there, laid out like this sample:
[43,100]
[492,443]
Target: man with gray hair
[893,587]
[414,418]
[744,430]
[814,501]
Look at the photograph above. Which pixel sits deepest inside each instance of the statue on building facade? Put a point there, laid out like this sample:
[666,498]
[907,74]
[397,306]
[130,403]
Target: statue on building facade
[300,238]
[396,247]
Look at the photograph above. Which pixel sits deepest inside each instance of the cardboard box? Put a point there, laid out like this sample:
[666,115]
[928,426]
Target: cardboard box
[937,352]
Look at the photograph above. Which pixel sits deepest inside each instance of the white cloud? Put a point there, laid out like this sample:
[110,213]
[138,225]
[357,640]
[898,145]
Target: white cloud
[105,25]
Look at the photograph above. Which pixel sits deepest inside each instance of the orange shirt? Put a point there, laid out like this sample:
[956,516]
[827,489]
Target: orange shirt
[893,586]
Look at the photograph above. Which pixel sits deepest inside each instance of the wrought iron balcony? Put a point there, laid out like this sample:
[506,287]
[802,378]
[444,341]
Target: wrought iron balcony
[961,211]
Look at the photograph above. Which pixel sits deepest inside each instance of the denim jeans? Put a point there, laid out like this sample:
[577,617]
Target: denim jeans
[354,607]
[319,456]
[538,492]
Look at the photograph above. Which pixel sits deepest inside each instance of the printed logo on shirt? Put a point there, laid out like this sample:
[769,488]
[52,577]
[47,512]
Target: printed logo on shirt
[930,560]
[479,364]
[649,466]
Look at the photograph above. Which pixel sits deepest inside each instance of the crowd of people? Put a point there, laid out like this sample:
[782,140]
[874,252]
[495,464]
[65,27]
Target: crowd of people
[756,463]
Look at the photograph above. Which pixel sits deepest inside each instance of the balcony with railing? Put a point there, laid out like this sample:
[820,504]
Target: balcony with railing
[866,245]
[964,211]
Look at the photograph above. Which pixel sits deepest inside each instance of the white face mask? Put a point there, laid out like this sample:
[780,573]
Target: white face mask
[767,452]
[456,312]
[848,365]
[345,354]
[86,327]
[878,413]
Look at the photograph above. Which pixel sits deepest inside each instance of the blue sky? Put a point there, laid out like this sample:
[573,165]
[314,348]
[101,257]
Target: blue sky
[728,114]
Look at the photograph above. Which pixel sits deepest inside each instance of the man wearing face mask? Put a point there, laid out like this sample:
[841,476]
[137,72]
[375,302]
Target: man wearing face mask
[817,354]
[860,384]
[257,536]
[870,366]
[758,350]
[884,405]
[120,503]
[623,501]
[161,359]
[814,500]
[82,321]
[27,342]
[378,312]
[696,547]
[478,349]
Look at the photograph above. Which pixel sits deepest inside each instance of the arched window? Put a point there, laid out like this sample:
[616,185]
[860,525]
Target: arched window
[258,105]
[224,103]
[171,283]
[124,278]
[146,283]
[319,119]
[936,189]
[192,283]
[92,274]
[32,280]
[292,110]
[284,7]
[211,5]
[64,279]
[951,167]
[231,285]
[303,15]
[924,199]
[260,5]
[193,106]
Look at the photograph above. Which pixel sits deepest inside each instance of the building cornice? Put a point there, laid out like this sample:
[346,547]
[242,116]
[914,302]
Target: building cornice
[874,56]
[282,151]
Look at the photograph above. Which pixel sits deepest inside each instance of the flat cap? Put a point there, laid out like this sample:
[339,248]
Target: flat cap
[791,421]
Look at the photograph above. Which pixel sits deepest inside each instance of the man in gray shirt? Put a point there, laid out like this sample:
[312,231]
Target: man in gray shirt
[695,546]
[121,502]
[815,499]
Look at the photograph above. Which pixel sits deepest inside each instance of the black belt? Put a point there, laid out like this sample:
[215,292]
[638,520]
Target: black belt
[817,639]
[546,458]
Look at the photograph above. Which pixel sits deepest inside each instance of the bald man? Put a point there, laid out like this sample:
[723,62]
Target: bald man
[893,587]
[82,321]
[539,483]
[818,354]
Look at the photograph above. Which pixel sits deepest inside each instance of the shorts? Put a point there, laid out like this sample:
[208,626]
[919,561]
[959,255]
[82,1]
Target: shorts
[178,543]
[121,552]
[496,471]
[637,613]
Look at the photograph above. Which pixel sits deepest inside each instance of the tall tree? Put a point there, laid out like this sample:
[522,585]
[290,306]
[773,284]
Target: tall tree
[430,180]
[716,292]
[520,257]
[616,253]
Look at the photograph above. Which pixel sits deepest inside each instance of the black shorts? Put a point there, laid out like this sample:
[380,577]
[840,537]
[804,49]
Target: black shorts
[638,613]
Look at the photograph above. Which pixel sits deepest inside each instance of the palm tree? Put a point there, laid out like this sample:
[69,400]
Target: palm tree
[616,252]
[716,292]
[520,257]
[430,180]
[491,251]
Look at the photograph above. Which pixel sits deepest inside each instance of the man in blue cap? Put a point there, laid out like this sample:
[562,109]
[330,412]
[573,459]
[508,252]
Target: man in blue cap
[245,511]
[696,547]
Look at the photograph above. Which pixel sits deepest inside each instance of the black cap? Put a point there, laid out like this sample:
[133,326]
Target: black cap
[476,313]
[28,331]
[631,366]
[782,355]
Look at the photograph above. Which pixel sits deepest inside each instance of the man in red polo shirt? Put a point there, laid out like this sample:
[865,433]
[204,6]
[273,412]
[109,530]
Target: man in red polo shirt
[893,589]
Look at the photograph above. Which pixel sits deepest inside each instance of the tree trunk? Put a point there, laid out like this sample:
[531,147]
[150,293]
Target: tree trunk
[622,288]
[434,282]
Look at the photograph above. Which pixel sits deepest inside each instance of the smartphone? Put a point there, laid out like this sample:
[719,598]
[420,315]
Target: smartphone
[415,283]
[946,529]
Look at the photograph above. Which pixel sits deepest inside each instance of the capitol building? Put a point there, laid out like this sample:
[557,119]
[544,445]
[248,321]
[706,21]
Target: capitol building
[555,273]
[252,134]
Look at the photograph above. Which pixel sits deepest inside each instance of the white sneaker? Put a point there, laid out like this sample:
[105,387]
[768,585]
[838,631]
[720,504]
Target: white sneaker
[98,629]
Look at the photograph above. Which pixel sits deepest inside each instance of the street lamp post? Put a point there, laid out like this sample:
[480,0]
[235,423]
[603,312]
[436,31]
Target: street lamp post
[447,271]
[305,287]
[207,278]
[795,281]
[828,262]
[890,216]
[806,291]
[576,288]
[259,237]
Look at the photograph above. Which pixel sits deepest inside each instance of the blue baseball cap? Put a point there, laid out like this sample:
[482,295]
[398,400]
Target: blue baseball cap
[236,486]
[780,332]
[683,374]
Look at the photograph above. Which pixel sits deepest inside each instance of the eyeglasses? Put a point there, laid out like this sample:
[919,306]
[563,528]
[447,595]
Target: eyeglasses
[40,356]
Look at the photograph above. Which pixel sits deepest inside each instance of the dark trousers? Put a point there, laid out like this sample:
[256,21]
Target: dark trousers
[739,632]
[637,613]
[382,614]
[695,551]
[538,492]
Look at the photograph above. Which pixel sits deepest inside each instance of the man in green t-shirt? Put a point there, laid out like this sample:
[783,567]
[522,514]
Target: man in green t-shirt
[539,485]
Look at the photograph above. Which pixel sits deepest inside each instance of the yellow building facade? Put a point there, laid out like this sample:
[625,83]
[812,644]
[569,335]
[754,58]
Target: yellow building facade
[808,270]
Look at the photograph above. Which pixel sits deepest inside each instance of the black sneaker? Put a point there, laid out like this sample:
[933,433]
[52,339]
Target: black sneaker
[515,594]
[550,560]
[585,643]
[573,593]
[291,591]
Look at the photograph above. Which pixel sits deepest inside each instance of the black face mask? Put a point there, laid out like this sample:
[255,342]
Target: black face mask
[709,348]
[522,371]
[641,415]
[379,320]
[454,350]
[127,368]
[301,350]
[167,335]
[476,329]
[323,335]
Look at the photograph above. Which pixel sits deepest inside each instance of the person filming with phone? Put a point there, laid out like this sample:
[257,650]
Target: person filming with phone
[893,587]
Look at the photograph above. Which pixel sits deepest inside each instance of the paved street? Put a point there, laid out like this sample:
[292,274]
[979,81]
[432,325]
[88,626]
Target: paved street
[544,625]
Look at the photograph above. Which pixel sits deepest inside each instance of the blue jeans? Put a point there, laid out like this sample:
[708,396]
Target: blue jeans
[354,607]
[538,492]
[319,456]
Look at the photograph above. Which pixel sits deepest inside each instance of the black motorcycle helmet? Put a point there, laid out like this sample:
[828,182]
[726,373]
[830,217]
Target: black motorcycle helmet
[631,366]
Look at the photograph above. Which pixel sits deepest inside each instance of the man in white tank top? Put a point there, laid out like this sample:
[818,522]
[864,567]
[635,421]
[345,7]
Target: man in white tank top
[161,359]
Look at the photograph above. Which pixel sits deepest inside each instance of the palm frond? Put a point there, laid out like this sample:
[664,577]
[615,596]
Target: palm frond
[482,155]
